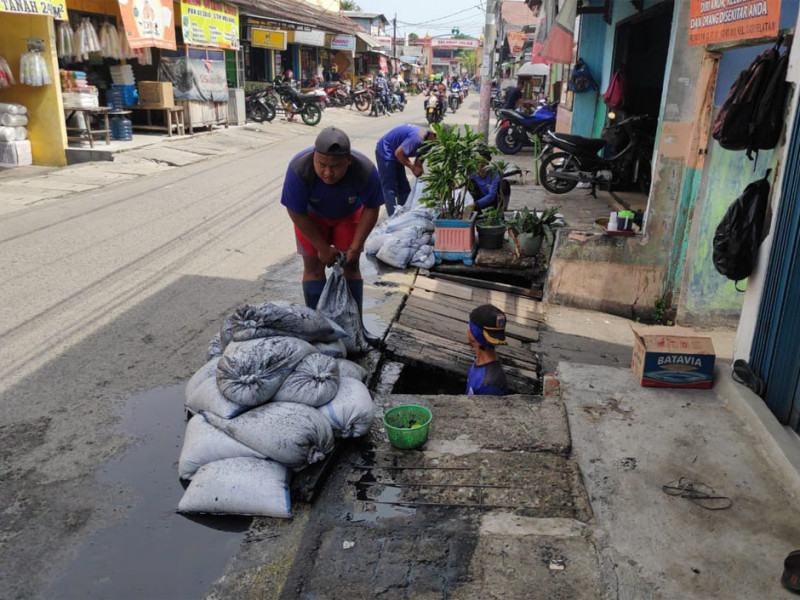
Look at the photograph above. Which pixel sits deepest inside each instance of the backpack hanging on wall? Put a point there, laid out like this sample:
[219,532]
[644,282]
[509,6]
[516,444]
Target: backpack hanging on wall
[615,93]
[751,117]
[581,79]
[741,231]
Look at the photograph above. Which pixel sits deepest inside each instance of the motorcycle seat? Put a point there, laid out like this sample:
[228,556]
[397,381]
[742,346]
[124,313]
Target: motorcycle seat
[307,96]
[591,144]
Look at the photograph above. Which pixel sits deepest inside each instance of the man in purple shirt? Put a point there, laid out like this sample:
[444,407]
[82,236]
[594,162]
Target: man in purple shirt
[393,154]
[333,196]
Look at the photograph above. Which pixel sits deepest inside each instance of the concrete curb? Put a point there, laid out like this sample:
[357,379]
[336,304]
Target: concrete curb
[778,443]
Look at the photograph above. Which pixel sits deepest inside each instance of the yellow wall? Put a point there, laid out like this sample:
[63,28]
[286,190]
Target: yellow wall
[46,128]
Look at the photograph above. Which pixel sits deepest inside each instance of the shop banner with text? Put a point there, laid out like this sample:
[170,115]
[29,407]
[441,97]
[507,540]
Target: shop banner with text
[195,78]
[148,24]
[210,23]
[717,21]
[55,8]
[267,38]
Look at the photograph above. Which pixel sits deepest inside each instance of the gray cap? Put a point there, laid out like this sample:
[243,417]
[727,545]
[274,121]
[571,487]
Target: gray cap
[332,142]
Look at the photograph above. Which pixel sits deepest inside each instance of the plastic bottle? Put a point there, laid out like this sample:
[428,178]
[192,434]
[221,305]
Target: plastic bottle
[612,222]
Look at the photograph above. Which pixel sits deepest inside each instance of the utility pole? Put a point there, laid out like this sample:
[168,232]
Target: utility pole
[394,43]
[487,68]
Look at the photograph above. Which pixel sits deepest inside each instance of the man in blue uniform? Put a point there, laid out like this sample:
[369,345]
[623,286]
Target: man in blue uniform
[333,196]
[487,329]
[393,154]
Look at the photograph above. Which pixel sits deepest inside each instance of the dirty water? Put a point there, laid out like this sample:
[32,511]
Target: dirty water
[152,551]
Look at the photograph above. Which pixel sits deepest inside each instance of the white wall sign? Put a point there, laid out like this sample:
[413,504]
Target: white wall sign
[314,37]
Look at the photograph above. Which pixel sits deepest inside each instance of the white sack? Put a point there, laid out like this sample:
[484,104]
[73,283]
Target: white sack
[424,258]
[293,434]
[397,252]
[208,370]
[204,443]
[335,349]
[239,486]
[347,368]
[214,348]
[207,397]
[351,412]
[314,381]
[249,322]
[249,373]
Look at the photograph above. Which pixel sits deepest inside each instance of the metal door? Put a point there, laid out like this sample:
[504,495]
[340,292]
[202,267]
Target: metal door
[775,352]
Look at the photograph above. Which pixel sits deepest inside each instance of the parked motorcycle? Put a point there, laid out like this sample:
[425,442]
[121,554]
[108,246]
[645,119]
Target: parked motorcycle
[257,108]
[497,102]
[516,130]
[295,103]
[361,97]
[338,95]
[630,141]
[433,110]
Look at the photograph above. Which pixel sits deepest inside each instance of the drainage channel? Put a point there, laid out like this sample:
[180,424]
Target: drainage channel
[152,551]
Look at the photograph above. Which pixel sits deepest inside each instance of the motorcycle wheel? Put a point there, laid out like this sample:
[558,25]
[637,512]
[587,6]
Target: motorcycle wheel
[311,115]
[362,103]
[558,162]
[505,141]
[454,105]
[431,118]
[261,112]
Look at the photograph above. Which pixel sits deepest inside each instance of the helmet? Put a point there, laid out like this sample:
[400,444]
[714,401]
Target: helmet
[381,74]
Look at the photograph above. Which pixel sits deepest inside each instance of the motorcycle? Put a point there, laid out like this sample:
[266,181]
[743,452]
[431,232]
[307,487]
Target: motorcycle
[395,103]
[339,95]
[257,108]
[378,105]
[295,103]
[433,110]
[516,130]
[454,99]
[579,162]
[496,102]
[361,97]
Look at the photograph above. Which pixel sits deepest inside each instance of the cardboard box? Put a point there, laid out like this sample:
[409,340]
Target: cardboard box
[155,94]
[675,357]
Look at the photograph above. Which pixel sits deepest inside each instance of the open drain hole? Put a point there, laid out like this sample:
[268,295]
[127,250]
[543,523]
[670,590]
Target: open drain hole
[415,379]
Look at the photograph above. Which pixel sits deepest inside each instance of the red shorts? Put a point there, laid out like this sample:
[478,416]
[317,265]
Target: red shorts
[336,232]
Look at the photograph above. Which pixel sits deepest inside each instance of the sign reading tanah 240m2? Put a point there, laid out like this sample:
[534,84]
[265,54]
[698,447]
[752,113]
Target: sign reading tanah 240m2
[717,21]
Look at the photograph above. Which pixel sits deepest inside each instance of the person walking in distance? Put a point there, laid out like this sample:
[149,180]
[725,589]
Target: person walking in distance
[332,195]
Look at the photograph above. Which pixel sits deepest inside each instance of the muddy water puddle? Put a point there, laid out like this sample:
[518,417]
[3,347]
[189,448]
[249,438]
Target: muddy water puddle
[152,551]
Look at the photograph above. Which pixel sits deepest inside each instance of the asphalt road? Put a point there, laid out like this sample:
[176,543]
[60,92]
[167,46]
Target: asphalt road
[108,295]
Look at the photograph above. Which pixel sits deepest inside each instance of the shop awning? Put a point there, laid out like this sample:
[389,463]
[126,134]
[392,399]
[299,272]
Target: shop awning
[370,41]
[533,69]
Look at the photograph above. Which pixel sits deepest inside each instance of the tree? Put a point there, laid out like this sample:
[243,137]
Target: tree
[412,36]
[350,5]
[469,60]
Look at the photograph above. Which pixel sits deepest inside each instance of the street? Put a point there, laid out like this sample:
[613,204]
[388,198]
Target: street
[109,294]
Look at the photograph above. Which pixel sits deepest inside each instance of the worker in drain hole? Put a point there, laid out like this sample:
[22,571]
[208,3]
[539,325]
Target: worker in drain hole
[487,329]
[333,195]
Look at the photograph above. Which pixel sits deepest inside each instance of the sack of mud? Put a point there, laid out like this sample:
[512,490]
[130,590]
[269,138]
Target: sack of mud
[249,373]
[347,368]
[314,382]
[335,349]
[280,318]
[208,370]
[214,348]
[351,411]
[293,434]
[338,304]
[207,397]
[204,443]
[239,486]
[225,333]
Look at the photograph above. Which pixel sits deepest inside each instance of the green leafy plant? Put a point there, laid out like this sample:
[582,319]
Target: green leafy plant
[451,159]
[491,217]
[530,221]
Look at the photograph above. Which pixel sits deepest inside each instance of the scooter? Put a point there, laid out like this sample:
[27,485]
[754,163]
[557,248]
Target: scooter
[257,108]
[516,130]
[579,161]
[433,110]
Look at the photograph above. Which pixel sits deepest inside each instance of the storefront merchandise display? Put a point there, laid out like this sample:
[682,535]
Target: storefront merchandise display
[15,149]
[76,91]
[110,45]
[64,46]
[6,76]
[33,70]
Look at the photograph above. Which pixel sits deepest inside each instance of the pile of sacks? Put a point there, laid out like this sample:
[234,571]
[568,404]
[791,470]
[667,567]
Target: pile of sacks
[275,392]
[405,238]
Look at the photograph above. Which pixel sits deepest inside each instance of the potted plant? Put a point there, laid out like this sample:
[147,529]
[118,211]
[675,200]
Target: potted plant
[528,228]
[451,159]
[491,228]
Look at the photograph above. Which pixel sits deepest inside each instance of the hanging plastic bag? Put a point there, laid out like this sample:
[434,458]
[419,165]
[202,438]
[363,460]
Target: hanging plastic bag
[338,304]
[6,76]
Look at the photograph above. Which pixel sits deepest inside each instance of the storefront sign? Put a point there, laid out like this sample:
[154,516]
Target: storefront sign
[55,8]
[382,63]
[455,43]
[343,42]
[148,24]
[267,38]
[310,38]
[516,40]
[384,40]
[210,23]
[716,21]
[195,78]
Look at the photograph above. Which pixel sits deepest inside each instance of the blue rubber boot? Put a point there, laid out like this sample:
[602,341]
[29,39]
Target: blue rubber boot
[356,287]
[312,290]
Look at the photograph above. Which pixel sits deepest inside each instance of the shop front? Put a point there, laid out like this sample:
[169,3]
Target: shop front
[31,112]
[262,45]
